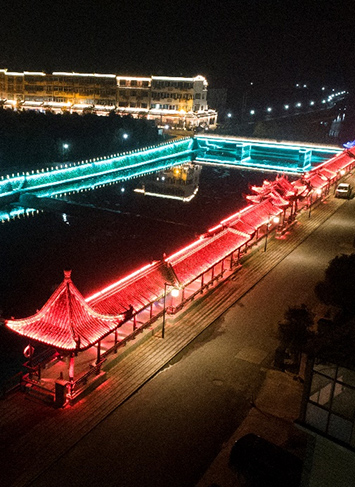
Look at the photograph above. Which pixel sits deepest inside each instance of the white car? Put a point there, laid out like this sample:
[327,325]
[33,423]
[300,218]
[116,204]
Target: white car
[343,191]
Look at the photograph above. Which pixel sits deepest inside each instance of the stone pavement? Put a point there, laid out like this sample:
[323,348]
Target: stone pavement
[36,435]
[271,417]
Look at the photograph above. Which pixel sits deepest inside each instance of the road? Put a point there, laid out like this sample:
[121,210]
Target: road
[167,434]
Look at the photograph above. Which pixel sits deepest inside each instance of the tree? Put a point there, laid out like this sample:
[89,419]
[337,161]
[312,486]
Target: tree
[338,287]
[295,330]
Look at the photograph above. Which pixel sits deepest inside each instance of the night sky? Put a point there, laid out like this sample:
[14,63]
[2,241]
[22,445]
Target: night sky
[230,42]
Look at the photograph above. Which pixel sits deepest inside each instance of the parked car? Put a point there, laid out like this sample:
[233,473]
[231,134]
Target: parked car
[343,191]
[259,463]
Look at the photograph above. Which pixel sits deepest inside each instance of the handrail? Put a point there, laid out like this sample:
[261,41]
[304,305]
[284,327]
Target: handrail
[74,386]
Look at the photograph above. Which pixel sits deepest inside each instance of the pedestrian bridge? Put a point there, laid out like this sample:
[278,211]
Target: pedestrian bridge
[282,157]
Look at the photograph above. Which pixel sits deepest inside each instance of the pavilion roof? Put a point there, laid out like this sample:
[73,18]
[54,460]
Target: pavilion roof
[204,253]
[66,321]
[243,228]
[280,185]
[318,181]
[139,289]
[259,214]
[339,162]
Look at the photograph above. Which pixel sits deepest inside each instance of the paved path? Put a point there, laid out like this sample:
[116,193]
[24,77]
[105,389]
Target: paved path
[36,435]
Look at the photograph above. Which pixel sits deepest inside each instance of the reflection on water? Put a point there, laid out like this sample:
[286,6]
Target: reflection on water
[106,233]
[179,183]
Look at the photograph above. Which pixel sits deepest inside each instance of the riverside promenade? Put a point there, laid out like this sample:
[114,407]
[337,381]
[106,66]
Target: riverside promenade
[33,435]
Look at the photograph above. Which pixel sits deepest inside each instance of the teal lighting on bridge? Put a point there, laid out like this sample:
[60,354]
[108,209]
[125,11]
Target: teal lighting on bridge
[261,155]
[93,173]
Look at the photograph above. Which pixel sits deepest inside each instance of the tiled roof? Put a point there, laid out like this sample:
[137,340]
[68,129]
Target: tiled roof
[207,252]
[66,321]
[69,322]
[259,214]
[138,290]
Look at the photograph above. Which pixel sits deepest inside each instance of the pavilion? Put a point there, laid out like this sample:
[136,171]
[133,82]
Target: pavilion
[70,325]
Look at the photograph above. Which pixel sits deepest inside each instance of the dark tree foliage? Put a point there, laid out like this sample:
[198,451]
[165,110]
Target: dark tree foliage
[295,330]
[336,343]
[338,287]
[31,139]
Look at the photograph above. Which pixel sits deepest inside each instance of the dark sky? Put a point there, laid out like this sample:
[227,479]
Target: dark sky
[230,42]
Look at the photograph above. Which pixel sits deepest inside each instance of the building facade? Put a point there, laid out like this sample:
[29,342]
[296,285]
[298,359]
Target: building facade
[173,102]
[328,417]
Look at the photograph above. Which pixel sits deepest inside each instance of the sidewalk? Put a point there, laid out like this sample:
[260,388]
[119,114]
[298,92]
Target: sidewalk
[271,417]
[28,427]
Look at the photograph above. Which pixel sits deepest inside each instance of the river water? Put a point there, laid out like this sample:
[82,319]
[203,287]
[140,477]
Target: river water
[107,234]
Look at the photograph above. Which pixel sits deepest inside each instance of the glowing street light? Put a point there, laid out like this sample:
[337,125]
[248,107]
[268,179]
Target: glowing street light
[175,293]
[65,148]
[269,109]
[125,136]
[276,220]
[318,193]
[252,112]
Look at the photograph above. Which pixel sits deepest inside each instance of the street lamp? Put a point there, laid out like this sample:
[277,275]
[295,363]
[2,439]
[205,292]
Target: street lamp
[174,293]
[276,220]
[318,192]
[65,147]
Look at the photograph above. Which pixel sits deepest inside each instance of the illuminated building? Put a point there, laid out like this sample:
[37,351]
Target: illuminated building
[177,183]
[176,102]
[11,87]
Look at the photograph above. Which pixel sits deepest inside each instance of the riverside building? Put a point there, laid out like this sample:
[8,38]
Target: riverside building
[176,102]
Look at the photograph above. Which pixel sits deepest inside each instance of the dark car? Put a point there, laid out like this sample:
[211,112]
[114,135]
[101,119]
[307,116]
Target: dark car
[259,463]
[343,191]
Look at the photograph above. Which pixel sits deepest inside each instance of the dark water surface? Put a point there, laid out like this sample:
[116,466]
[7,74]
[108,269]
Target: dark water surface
[101,243]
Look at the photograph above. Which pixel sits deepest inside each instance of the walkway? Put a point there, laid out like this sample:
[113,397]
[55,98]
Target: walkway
[36,435]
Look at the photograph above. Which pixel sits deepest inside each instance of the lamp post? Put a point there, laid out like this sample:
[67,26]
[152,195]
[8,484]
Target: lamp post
[65,147]
[276,220]
[174,293]
[310,205]
[318,192]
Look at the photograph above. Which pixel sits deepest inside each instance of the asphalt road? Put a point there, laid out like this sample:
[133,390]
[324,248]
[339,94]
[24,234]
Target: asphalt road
[168,433]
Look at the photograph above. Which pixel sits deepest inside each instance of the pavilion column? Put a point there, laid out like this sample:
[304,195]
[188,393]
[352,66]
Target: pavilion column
[151,311]
[71,367]
[98,357]
[134,322]
[231,262]
[115,349]
[202,282]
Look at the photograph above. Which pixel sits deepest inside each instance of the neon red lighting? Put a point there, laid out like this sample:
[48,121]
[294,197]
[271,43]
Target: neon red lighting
[68,322]
[118,283]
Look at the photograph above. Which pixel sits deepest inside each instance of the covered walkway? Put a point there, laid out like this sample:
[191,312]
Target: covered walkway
[86,332]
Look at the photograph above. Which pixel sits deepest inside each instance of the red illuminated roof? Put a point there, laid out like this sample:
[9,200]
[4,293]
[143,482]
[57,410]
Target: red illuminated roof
[318,181]
[66,321]
[259,214]
[281,185]
[243,228]
[206,252]
[339,162]
[138,290]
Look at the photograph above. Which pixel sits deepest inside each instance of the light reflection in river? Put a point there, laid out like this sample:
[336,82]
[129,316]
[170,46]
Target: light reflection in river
[111,234]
